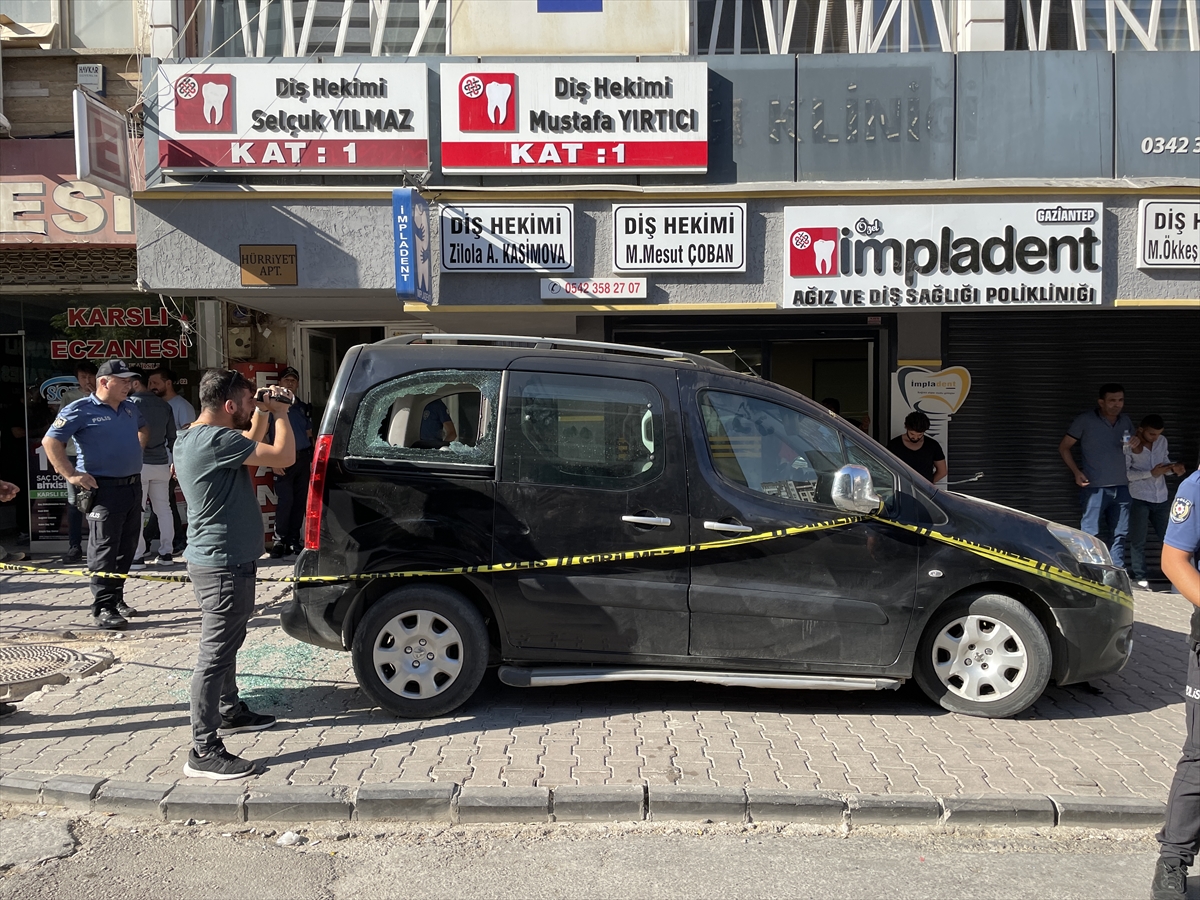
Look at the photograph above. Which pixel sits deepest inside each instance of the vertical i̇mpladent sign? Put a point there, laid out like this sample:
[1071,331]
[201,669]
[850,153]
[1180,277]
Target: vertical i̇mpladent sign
[410,233]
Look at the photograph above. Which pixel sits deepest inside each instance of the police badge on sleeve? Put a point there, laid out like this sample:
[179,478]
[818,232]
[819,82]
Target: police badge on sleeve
[1181,509]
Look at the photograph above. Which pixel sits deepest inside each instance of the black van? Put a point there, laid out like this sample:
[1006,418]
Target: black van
[578,512]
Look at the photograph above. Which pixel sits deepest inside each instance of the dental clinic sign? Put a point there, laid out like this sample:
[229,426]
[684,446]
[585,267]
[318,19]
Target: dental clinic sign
[956,256]
[575,117]
[293,117]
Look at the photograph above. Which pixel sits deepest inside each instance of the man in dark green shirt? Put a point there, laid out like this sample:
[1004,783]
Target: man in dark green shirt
[213,460]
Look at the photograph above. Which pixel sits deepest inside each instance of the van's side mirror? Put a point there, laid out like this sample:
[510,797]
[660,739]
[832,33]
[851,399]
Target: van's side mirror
[853,491]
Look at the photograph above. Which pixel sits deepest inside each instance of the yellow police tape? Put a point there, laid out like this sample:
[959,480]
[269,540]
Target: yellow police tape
[1004,557]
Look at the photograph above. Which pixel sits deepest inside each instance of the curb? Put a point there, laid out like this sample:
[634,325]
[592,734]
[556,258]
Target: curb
[451,803]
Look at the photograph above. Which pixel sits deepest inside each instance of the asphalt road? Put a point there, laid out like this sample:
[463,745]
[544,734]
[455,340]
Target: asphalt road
[647,860]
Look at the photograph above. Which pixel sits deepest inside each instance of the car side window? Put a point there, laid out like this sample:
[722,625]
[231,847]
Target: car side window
[770,448]
[882,478]
[582,431]
[445,416]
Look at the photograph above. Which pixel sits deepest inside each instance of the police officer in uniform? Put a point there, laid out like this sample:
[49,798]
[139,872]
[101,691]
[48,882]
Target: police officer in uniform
[1179,840]
[110,433]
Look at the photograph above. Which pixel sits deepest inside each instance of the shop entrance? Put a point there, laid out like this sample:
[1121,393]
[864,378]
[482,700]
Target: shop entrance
[840,364]
[322,347]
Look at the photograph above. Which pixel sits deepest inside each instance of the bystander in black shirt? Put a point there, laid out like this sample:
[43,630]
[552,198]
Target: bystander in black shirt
[922,458]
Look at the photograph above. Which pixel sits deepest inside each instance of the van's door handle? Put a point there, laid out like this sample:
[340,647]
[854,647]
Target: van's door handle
[647,520]
[728,526]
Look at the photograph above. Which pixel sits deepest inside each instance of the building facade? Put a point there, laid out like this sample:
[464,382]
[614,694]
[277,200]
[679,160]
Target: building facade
[978,209]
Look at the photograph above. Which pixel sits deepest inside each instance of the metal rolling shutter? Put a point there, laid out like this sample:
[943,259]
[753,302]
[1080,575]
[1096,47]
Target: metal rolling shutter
[1032,373]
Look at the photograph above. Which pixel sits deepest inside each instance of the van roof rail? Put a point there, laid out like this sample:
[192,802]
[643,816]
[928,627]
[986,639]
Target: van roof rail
[545,343]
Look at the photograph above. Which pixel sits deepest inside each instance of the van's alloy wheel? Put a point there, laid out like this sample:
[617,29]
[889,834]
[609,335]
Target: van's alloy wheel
[420,651]
[986,655]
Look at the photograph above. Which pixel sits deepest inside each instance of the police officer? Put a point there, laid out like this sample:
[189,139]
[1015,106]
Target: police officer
[110,433]
[1179,840]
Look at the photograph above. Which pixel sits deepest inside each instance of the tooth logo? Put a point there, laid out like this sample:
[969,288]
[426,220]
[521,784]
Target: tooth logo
[488,102]
[824,250]
[204,103]
[812,252]
[214,95]
[497,100]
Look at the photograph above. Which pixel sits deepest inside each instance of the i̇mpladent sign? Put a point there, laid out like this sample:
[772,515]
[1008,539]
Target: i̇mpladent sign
[293,117]
[575,117]
[956,256]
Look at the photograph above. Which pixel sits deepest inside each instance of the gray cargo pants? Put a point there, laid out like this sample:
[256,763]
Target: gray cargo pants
[226,598]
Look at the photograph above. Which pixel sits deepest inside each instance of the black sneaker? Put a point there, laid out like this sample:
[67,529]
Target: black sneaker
[124,609]
[244,719]
[1170,880]
[218,764]
[279,550]
[73,555]
[164,559]
[110,621]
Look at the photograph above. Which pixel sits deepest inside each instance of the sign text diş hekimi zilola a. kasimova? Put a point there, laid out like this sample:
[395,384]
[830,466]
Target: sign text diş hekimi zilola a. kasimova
[490,237]
[575,117]
[293,116]
[954,255]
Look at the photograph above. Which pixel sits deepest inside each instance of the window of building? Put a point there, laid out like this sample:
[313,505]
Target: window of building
[102,23]
[1097,25]
[443,417]
[582,431]
[80,24]
[822,26]
[240,28]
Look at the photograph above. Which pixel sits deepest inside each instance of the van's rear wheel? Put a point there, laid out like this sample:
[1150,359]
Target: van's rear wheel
[984,656]
[420,651]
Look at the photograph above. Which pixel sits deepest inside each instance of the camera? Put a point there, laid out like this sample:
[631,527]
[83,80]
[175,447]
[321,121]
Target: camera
[262,395]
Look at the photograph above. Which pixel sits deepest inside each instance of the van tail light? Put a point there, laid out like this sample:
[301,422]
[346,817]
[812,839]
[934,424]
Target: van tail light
[316,493]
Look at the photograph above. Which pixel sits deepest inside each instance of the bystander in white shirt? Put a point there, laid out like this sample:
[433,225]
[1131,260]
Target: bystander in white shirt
[1143,485]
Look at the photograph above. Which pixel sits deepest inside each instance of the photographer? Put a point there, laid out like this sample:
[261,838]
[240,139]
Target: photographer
[213,462]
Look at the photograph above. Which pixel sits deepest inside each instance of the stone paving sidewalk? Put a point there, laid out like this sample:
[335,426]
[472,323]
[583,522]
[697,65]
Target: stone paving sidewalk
[1118,737]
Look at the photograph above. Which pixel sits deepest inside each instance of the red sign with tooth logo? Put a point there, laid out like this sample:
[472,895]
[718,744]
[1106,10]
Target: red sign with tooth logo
[596,116]
[488,102]
[204,103]
[293,115]
[813,252]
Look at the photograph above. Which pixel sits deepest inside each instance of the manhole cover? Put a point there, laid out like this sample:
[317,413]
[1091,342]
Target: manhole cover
[26,667]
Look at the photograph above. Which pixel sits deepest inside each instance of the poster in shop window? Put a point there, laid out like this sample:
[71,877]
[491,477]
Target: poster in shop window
[954,256]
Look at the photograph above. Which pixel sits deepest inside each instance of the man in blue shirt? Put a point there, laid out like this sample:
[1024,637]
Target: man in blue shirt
[437,427]
[1179,840]
[110,433]
[1102,435]
[291,484]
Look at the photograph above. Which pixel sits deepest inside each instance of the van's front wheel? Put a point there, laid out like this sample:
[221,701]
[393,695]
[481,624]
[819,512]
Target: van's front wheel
[420,651]
[984,656]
